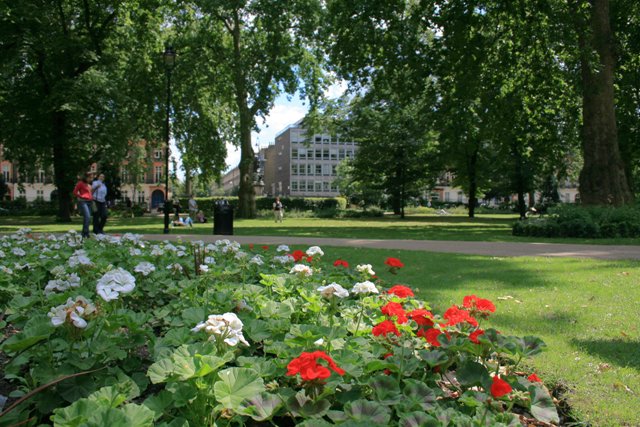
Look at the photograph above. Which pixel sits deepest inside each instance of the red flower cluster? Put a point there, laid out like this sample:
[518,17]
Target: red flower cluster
[341,263]
[251,246]
[394,263]
[265,247]
[385,328]
[500,387]
[298,255]
[307,366]
[400,291]
[395,309]
[421,316]
[431,335]
[473,337]
[454,315]
[482,305]
[534,378]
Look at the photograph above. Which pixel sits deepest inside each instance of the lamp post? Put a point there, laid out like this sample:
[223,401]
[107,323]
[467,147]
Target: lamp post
[169,57]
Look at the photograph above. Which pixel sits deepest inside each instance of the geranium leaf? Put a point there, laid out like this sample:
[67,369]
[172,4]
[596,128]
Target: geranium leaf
[370,412]
[386,389]
[159,403]
[302,406]
[237,385]
[472,374]
[418,419]
[74,415]
[542,406]
[417,393]
[261,407]
[138,415]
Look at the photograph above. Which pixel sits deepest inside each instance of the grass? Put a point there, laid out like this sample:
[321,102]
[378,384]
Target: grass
[585,310]
[490,228]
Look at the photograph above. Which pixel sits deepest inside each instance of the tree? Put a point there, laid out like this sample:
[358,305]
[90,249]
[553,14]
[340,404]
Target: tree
[603,178]
[75,83]
[257,50]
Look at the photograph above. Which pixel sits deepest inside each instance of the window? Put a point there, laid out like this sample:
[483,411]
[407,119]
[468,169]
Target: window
[124,173]
[318,186]
[326,186]
[326,140]
[447,196]
[325,154]
[141,197]
[294,169]
[341,154]
[158,173]
[157,154]
[125,194]
[459,196]
[294,153]
[326,169]
[318,154]
[318,139]
[39,194]
[6,173]
[334,170]
[334,186]
[294,185]
[318,170]
[349,154]
[334,154]
[302,154]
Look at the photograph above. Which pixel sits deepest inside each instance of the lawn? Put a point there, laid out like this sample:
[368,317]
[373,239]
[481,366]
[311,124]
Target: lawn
[585,310]
[491,228]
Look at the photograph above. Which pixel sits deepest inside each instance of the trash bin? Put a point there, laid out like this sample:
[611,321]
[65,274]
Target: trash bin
[222,218]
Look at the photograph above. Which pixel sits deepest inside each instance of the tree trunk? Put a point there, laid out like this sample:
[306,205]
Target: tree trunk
[63,177]
[602,179]
[472,174]
[532,199]
[519,180]
[246,191]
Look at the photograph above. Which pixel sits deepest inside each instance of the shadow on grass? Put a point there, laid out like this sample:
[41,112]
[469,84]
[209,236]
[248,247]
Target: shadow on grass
[624,353]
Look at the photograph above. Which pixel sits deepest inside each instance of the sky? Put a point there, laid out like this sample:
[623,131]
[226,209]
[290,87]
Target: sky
[286,110]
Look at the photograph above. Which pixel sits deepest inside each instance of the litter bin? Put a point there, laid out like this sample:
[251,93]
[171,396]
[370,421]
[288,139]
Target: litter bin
[222,218]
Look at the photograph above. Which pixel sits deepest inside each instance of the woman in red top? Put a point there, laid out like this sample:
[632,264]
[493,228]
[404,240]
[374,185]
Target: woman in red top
[83,194]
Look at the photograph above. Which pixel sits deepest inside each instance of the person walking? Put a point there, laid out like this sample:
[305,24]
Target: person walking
[99,190]
[82,191]
[193,207]
[278,209]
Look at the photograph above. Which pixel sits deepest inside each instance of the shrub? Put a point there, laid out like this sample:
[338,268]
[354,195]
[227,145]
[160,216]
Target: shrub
[314,204]
[584,222]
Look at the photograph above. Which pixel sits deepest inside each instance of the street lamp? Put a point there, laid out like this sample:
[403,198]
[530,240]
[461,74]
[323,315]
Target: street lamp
[169,57]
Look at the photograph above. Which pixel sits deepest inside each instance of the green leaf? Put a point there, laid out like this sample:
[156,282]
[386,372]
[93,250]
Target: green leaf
[386,389]
[138,415]
[418,419]
[542,406]
[237,385]
[261,407]
[434,357]
[472,374]
[159,403]
[108,396]
[107,417]
[371,412]
[417,395]
[74,415]
[302,405]
[38,328]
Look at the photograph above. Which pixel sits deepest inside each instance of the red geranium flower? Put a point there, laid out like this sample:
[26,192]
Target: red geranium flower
[534,378]
[480,304]
[250,246]
[500,387]
[454,315]
[431,335]
[385,328]
[473,337]
[394,263]
[395,309]
[421,316]
[265,247]
[298,255]
[400,291]
[341,263]
[309,259]
[307,366]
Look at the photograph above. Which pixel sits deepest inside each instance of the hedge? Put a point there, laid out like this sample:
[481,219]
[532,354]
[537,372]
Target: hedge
[20,206]
[205,204]
[585,222]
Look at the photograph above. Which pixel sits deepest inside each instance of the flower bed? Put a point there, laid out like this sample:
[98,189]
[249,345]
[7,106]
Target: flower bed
[119,331]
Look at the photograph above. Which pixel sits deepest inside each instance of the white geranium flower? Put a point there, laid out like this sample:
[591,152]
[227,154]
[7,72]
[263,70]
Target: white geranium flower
[209,260]
[19,266]
[157,251]
[174,267]
[257,260]
[145,268]
[115,282]
[6,270]
[314,250]
[18,252]
[56,285]
[181,253]
[227,326]
[301,270]
[130,237]
[365,287]
[72,312]
[204,268]
[319,342]
[58,271]
[211,248]
[2,255]
[135,252]
[283,248]
[366,268]
[74,280]
[333,289]
[240,255]
[170,247]
[79,257]
[283,259]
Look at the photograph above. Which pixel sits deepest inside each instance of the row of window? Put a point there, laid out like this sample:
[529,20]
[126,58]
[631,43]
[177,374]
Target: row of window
[313,169]
[158,174]
[322,153]
[141,198]
[323,139]
[315,186]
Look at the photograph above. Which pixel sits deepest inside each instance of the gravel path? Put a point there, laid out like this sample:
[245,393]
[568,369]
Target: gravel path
[609,252]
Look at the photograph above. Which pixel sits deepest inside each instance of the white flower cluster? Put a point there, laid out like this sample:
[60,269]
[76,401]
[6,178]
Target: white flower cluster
[145,268]
[61,284]
[204,268]
[365,268]
[333,289]
[257,260]
[365,287]
[2,255]
[315,250]
[283,259]
[115,282]
[79,257]
[227,326]
[283,248]
[157,251]
[209,260]
[18,252]
[226,245]
[135,252]
[301,270]
[72,312]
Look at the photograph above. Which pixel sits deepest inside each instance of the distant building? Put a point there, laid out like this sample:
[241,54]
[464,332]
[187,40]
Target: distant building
[297,164]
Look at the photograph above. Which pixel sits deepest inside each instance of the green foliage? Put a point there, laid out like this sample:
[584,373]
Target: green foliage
[316,204]
[581,221]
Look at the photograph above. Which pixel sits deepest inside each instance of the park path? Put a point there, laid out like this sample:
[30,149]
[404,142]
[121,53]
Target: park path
[501,249]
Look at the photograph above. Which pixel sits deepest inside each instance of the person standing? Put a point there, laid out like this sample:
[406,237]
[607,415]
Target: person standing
[193,207]
[82,191]
[278,209]
[99,190]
